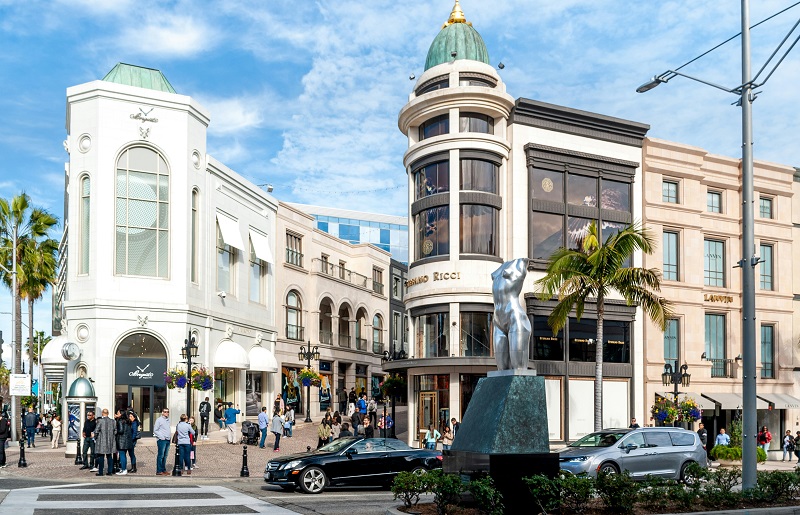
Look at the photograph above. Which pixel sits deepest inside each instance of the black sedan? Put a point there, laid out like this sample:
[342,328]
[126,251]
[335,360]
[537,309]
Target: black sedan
[349,461]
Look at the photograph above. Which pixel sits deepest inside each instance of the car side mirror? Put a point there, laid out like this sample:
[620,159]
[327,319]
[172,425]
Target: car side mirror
[630,447]
[350,452]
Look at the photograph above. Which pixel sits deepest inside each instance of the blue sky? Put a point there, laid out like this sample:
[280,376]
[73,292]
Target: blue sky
[305,94]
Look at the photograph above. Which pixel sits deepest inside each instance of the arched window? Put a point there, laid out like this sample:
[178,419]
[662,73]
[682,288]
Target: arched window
[294,316]
[377,334]
[85,226]
[142,213]
[195,236]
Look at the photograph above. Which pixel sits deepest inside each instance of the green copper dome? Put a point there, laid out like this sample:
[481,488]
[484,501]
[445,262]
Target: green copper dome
[139,77]
[457,35]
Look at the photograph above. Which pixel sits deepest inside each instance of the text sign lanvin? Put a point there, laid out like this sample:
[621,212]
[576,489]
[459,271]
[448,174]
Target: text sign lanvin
[437,276]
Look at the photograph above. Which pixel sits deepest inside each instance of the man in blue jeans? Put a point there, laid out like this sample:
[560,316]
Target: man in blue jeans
[162,433]
[31,420]
[263,424]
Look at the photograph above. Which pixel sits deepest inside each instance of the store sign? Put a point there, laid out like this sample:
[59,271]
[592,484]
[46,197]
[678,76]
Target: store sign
[141,371]
[725,299]
[437,276]
[19,384]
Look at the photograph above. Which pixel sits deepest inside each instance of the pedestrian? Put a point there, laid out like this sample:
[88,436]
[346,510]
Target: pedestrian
[30,421]
[5,434]
[277,428]
[124,443]
[135,435]
[184,431]
[702,432]
[288,423]
[194,442]
[89,442]
[337,416]
[431,437]
[324,433]
[634,424]
[764,438]
[162,433]
[797,446]
[218,417]
[278,404]
[56,434]
[454,423]
[355,421]
[104,436]
[119,420]
[205,413]
[722,438]
[447,438]
[263,425]
[372,411]
[389,423]
[788,445]
[47,429]
[345,430]
[362,407]
[369,430]
[336,428]
[230,422]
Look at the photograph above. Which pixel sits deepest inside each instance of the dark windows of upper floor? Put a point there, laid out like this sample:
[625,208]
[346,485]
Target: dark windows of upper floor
[475,122]
[479,175]
[436,126]
[431,179]
[432,232]
[714,202]
[765,207]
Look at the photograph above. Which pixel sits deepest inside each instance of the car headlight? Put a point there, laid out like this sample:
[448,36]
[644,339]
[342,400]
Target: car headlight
[292,464]
[577,459]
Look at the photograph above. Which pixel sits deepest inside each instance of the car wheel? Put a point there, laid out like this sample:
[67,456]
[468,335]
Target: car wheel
[418,471]
[313,480]
[683,477]
[608,468]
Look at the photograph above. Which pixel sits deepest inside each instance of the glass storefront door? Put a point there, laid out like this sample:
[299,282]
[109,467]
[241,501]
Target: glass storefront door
[140,363]
[146,401]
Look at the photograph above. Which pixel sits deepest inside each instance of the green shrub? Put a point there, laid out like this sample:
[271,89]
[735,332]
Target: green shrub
[776,486]
[617,491]
[761,455]
[718,490]
[654,494]
[408,487]
[576,491]
[488,498]
[446,489]
[725,452]
[546,491]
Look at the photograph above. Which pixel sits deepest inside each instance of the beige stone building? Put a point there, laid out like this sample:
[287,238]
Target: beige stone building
[692,205]
[330,294]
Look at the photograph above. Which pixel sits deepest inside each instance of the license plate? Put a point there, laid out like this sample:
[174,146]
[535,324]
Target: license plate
[268,475]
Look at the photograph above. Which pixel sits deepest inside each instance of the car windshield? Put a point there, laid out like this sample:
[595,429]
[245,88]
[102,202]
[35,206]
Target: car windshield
[603,439]
[337,445]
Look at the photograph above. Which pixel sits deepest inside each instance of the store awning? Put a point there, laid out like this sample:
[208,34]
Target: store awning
[230,231]
[261,247]
[230,355]
[733,400]
[701,401]
[51,354]
[262,360]
[781,400]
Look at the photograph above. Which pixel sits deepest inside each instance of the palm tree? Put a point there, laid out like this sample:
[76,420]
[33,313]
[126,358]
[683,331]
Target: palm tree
[595,270]
[20,223]
[39,265]
[35,350]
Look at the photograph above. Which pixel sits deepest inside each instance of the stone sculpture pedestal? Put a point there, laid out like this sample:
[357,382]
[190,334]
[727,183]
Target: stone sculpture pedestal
[504,433]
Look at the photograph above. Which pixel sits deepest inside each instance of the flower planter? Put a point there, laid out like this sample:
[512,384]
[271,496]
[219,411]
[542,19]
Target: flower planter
[306,382]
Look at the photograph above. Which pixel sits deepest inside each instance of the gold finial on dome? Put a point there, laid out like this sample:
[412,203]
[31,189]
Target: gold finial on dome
[456,16]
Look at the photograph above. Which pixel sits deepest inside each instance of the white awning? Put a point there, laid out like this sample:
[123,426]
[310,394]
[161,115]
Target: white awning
[230,355]
[262,360]
[51,354]
[733,400]
[261,247]
[230,231]
[705,404]
[781,400]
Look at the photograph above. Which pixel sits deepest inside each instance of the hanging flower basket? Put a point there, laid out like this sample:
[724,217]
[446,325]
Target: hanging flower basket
[306,382]
[689,410]
[664,411]
[392,385]
[176,378]
[308,375]
[202,379]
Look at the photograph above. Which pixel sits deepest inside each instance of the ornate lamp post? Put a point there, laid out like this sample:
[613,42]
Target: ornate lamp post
[675,376]
[189,351]
[308,355]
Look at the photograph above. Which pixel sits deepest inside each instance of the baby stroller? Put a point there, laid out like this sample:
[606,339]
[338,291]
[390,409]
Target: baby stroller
[250,433]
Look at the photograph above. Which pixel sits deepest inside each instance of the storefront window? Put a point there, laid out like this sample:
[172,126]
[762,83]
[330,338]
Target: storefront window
[433,335]
[583,334]
[375,387]
[468,384]
[291,388]
[325,392]
[546,345]
[476,334]
[253,394]
[433,401]
[224,387]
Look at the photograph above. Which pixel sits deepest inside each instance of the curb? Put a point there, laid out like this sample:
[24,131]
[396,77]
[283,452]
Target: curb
[782,510]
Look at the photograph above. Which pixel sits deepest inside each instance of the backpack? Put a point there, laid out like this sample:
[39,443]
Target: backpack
[790,444]
[372,406]
[389,422]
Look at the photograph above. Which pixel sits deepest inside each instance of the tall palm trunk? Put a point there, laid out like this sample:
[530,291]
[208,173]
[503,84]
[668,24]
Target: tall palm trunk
[31,348]
[17,405]
[598,366]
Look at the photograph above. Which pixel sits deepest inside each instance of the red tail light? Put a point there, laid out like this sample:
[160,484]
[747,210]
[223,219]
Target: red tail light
[440,457]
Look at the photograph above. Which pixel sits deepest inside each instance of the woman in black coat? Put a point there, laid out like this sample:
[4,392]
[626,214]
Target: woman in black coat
[124,444]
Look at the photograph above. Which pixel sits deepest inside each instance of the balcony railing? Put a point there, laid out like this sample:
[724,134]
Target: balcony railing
[344,340]
[377,347]
[294,332]
[361,344]
[294,257]
[341,273]
[722,368]
[326,337]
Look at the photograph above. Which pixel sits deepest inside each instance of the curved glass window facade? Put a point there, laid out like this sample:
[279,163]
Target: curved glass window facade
[433,335]
[432,232]
[476,334]
[479,175]
[478,229]
[475,122]
[435,127]
[431,179]
[142,213]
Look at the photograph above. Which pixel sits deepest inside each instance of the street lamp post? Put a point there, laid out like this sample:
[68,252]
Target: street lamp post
[749,259]
[676,376]
[308,355]
[189,351]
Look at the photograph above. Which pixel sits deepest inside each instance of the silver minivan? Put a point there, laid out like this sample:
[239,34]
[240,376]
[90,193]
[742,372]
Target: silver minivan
[657,451]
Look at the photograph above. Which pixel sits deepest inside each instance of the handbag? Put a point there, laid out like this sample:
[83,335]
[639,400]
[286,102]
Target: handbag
[175,438]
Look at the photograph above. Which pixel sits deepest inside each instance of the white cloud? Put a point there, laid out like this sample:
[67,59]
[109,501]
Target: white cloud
[167,35]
